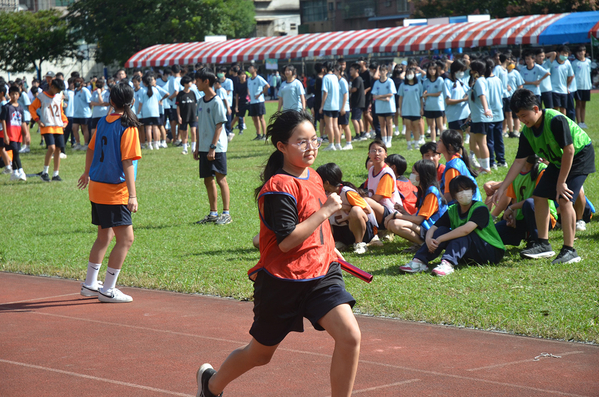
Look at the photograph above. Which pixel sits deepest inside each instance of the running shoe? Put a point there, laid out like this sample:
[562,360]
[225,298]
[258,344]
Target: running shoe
[223,219]
[347,146]
[581,226]
[113,295]
[414,266]
[330,148]
[538,250]
[567,256]
[203,377]
[444,269]
[56,178]
[88,291]
[207,219]
[360,248]
[45,177]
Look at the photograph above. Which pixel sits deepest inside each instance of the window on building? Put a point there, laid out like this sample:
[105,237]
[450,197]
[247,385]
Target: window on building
[314,11]
[331,6]
[360,8]
[403,6]
[387,3]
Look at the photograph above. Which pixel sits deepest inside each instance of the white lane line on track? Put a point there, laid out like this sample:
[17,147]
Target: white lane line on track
[519,362]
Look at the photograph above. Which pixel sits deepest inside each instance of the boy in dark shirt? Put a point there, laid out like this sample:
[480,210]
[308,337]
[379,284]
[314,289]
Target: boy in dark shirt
[12,118]
[241,100]
[186,110]
[356,101]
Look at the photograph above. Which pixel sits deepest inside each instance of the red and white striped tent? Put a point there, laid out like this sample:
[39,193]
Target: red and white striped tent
[507,31]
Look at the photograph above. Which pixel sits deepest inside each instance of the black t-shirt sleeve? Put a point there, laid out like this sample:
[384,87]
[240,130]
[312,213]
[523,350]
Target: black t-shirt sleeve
[561,131]
[480,216]
[280,214]
[524,148]
[443,220]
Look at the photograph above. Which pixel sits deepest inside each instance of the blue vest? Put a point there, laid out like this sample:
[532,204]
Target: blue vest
[107,166]
[458,164]
[427,223]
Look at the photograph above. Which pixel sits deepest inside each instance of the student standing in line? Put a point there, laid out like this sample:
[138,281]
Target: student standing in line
[150,112]
[456,97]
[515,82]
[480,114]
[257,88]
[291,92]
[82,114]
[562,75]
[411,108]
[11,117]
[100,102]
[186,110]
[330,106]
[357,101]
[582,75]
[343,119]
[383,93]
[434,105]
[545,86]
[173,87]
[495,129]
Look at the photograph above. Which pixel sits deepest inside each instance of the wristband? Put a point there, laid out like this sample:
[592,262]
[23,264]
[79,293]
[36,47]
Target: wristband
[132,197]
[395,214]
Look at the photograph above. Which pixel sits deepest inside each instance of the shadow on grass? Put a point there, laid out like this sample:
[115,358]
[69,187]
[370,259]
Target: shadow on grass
[31,306]
[232,251]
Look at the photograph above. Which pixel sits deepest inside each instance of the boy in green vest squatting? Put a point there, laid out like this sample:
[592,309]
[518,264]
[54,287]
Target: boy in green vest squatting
[465,231]
[554,137]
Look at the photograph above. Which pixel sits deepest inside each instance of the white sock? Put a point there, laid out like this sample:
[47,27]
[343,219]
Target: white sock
[163,142]
[91,280]
[338,145]
[185,146]
[55,173]
[46,168]
[485,163]
[193,146]
[111,276]
[9,167]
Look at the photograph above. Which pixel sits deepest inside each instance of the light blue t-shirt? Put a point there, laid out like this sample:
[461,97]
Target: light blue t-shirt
[291,95]
[456,90]
[150,107]
[546,83]
[256,86]
[24,102]
[199,94]
[476,107]
[227,85]
[330,85]
[494,99]
[582,74]
[210,113]
[388,105]
[100,111]
[530,75]
[559,76]
[222,94]
[173,85]
[343,90]
[137,96]
[69,98]
[411,99]
[500,72]
[82,99]
[466,77]
[162,93]
[164,84]
[432,87]
[514,80]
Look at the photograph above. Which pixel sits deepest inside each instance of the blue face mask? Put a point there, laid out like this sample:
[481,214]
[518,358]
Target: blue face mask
[563,57]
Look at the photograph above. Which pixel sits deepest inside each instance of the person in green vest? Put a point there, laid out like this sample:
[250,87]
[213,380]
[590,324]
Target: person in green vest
[519,216]
[465,231]
[559,140]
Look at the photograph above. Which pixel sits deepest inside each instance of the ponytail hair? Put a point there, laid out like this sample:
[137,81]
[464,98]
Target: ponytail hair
[454,143]
[331,173]
[427,172]
[280,128]
[489,65]
[478,69]
[121,96]
[146,81]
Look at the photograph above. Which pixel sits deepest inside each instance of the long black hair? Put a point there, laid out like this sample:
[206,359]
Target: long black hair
[477,69]
[456,66]
[427,171]
[121,96]
[280,128]
[146,81]
[453,142]
[330,172]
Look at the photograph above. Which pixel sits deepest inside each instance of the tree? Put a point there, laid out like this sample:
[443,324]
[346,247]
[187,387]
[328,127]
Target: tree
[499,8]
[28,39]
[121,28]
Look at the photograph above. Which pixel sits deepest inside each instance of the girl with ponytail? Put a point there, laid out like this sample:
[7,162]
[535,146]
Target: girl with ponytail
[297,275]
[110,170]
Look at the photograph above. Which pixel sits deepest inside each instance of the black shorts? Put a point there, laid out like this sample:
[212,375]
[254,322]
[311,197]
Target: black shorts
[107,215]
[331,113]
[54,139]
[386,213]
[208,169]
[479,128]
[560,100]
[94,122]
[344,235]
[343,120]
[506,104]
[546,186]
[162,119]
[310,102]
[547,98]
[81,120]
[13,145]
[193,124]
[150,121]
[456,125]
[583,95]
[411,118]
[356,114]
[281,305]
[171,114]
[433,114]
[257,109]
[385,115]
[242,108]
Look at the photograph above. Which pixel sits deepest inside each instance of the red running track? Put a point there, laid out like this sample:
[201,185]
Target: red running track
[54,342]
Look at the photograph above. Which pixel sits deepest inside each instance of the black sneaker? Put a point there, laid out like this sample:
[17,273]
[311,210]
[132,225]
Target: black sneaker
[538,250]
[45,177]
[57,178]
[207,219]
[203,377]
[567,256]
[513,134]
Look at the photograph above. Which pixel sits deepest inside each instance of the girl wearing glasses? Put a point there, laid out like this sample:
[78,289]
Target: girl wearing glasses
[297,275]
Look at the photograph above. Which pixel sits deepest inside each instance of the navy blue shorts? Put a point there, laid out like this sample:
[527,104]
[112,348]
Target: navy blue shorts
[242,109]
[479,128]
[107,216]
[257,109]
[385,115]
[343,120]
[583,95]
[547,98]
[54,139]
[506,105]
[208,169]
[193,124]
[356,113]
[162,119]
[456,125]
[171,114]
[94,122]
[281,305]
[331,113]
[344,235]
[150,121]
[546,187]
[560,100]
[81,120]
[433,114]
[411,118]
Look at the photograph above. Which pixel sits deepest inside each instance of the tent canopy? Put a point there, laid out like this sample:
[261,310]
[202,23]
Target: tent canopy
[530,29]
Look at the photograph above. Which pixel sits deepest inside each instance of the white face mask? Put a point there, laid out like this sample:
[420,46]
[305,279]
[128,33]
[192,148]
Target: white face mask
[459,75]
[415,182]
[410,76]
[464,197]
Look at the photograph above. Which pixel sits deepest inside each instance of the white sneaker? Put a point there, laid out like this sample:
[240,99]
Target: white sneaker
[395,130]
[474,161]
[388,144]
[410,145]
[338,146]
[581,226]
[113,295]
[86,290]
[156,145]
[7,170]
[63,155]
[184,151]
[421,141]
[403,130]
[360,248]
[467,139]
[22,176]
[231,136]
[414,266]
[25,149]
[348,146]
[444,269]
[582,125]
[329,148]
[163,145]
[15,175]
[149,146]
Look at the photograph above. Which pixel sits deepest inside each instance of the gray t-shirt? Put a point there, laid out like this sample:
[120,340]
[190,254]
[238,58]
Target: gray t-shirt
[210,114]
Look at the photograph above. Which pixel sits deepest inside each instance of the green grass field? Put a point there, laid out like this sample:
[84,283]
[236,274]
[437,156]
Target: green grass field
[47,231]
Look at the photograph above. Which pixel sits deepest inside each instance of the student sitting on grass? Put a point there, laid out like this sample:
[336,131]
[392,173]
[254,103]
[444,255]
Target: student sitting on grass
[465,231]
[456,162]
[407,190]
[430,204]
[569,150]
[355,223]
[429,152]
